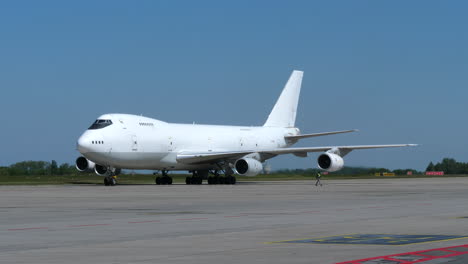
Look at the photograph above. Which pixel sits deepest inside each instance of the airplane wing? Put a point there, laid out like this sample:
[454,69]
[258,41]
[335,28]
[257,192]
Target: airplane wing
[295,138]
[211,157]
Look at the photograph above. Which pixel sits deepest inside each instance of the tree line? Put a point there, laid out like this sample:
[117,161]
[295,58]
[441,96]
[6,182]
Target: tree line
[38,168]
[447,165]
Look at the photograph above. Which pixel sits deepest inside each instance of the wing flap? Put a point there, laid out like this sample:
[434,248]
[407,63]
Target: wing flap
[302,152]
[212,157]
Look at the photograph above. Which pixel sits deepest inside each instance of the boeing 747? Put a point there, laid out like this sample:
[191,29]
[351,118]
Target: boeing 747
[216,153]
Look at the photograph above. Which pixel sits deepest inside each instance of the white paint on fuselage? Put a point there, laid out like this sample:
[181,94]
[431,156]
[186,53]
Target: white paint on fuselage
[137,142]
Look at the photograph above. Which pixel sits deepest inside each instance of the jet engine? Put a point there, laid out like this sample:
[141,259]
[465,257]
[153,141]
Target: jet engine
[104,171]
[330,162]
[100,170]
[83,164]
[248,167]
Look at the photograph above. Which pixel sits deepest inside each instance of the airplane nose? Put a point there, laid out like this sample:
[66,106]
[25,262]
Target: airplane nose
[84,144]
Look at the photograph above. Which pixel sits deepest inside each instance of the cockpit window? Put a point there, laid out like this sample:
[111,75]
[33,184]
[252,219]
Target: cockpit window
[100,123]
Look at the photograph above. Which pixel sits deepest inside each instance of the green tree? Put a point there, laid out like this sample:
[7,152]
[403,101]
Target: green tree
[430,167]
[66,169]
[53,167]
[4,171]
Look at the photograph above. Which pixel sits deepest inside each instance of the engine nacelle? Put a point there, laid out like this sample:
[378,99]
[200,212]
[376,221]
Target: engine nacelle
[248,167]
[104,171]
[83,164]
[100,170]
[330,162]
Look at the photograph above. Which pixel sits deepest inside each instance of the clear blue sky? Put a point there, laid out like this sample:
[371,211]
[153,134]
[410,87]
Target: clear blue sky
[396,70]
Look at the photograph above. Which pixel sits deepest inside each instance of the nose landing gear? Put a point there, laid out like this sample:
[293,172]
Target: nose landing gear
[110,180]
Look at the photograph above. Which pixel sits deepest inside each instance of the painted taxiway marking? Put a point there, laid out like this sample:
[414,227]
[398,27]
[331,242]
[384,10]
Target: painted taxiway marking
[27,228]
[374,239]
[89,225]
[142,222]
[190,219]
[374,207]
[456,254]
[239,215]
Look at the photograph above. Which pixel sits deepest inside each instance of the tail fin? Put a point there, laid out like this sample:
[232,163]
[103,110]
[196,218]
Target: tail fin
[284,111]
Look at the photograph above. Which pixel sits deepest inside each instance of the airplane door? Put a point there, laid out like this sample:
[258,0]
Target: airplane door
[210,143]
[170,144]
[134,143]
[248,142]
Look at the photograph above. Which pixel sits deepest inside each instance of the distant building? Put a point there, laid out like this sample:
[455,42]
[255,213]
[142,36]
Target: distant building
[439,173]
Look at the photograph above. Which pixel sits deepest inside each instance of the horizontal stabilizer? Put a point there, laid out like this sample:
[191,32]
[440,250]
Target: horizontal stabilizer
[293,138]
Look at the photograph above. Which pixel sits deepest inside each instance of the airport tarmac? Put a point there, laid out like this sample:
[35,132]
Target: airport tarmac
[232,224]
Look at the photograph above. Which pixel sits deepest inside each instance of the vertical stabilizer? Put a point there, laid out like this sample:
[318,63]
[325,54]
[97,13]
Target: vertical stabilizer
[284,111]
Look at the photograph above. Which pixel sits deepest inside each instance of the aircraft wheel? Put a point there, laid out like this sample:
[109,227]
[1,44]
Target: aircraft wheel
[169,180]
[232,180]
[158,180]
[112,181]
[194,180]
[106,181]
[164,180]
[215,180]
[221,180]
[188,180]
[211,180]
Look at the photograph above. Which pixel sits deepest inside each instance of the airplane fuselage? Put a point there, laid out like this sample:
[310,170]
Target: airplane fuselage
[137,142]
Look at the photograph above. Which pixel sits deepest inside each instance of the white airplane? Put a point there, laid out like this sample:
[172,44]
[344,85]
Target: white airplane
[122,141]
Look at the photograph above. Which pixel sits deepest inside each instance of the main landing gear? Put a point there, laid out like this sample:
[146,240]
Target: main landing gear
[218,179]
[164,179]
[228,179]
[198,176]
